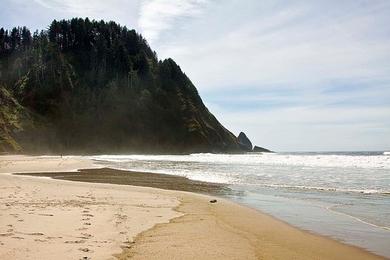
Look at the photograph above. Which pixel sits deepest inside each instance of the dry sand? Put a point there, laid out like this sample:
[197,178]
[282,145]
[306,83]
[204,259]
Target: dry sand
[42,218]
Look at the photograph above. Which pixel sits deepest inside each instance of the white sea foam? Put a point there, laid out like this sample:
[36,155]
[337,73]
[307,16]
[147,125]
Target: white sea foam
[320,160]
[344,173]
[331,208]
[329,189]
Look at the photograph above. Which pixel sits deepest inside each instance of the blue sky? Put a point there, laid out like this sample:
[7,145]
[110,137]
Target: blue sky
[293,75]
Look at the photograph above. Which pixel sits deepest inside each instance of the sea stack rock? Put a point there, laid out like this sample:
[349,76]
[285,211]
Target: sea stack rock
[258,149]
[244,142]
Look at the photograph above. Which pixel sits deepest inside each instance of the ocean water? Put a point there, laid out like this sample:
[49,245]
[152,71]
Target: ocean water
[344,195]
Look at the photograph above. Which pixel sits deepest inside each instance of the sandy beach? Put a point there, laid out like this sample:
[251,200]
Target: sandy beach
[45,218]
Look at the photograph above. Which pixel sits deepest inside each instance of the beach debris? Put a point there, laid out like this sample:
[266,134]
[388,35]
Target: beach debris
[213,201]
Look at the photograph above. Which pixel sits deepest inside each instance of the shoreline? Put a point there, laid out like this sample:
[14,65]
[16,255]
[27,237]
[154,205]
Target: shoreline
[234,226]
[238,231]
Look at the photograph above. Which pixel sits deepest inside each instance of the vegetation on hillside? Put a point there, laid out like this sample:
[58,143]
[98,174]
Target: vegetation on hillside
[95,86]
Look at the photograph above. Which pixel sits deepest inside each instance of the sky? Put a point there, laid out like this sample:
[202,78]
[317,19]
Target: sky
[293,75]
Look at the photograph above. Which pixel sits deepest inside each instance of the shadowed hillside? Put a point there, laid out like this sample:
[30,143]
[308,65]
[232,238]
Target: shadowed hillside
[91,87]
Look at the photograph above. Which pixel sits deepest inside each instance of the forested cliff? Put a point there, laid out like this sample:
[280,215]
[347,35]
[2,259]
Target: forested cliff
[86,86]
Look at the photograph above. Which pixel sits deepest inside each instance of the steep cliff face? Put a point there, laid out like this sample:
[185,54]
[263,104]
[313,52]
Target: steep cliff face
[90,87]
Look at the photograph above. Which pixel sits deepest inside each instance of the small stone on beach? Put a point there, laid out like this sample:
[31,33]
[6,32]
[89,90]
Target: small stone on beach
[213,201]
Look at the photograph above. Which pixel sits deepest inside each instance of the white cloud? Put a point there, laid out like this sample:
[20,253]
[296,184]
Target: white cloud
[291,44]
[121,11]
[157,16]
[74,6]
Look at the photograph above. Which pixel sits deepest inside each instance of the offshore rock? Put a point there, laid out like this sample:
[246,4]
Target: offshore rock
[244,142]
[259,149]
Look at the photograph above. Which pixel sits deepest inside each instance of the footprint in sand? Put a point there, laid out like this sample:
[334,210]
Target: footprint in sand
[82,228]
[87,224]
[52,237]
[100,242]
[35,234]
[6,234]
[86,250]
[85,236]
[40,240]
[74,242]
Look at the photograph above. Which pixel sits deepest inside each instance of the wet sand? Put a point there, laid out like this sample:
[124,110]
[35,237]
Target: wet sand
[225,230]
[144,179]
[159,224]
